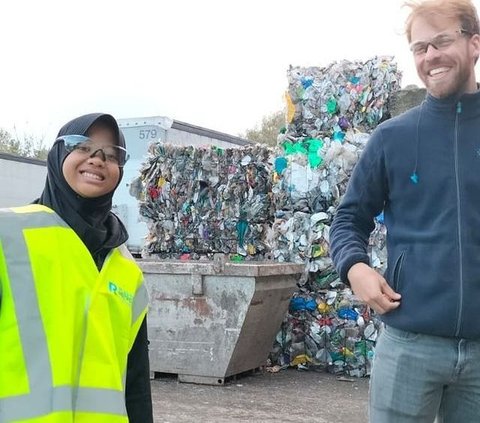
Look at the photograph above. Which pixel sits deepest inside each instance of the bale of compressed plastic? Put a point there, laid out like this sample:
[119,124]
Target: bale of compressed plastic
[331,112]
[198,201]
[346,94]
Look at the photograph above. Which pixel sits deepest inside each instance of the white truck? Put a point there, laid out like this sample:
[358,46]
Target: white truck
[22,179]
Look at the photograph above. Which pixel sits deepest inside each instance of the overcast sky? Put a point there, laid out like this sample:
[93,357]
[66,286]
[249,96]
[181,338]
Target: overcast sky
[220,64]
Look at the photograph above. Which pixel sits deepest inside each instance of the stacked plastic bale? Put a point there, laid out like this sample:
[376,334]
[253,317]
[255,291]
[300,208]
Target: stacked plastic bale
[198,201]
[330,113]
[306,196]
[327,329]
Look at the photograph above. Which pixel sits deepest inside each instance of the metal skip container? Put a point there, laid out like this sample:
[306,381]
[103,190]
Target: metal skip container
[214,319]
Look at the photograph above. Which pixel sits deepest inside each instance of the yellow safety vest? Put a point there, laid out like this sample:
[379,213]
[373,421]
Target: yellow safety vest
[65,328]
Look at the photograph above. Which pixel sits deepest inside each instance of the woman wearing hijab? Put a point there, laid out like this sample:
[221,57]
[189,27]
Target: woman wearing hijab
[73,334]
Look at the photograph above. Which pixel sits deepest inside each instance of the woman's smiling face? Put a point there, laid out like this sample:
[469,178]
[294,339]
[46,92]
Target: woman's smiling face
[90,175]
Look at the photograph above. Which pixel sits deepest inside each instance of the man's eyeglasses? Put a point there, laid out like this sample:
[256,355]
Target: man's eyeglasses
[439,42]
[84,145]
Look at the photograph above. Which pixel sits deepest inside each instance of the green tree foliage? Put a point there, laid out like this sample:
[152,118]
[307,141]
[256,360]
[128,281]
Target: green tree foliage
[25,146]
[267,132]
[8,144]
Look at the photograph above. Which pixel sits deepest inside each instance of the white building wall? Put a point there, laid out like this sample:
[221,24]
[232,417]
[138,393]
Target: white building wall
[21,181]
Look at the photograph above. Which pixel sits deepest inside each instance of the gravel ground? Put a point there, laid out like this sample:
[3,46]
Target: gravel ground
[288,396]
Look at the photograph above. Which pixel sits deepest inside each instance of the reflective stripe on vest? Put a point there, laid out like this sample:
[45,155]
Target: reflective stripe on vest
[43,398]
[139,302]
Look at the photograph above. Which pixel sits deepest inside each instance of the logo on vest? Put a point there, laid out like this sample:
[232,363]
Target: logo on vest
[116,290]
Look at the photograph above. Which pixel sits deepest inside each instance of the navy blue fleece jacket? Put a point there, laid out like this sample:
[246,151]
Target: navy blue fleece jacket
[422,169]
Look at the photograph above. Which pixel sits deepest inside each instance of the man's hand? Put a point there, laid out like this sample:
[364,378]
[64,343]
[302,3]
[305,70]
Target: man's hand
[369,286]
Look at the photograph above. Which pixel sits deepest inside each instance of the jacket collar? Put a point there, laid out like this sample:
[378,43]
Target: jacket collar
[468,104]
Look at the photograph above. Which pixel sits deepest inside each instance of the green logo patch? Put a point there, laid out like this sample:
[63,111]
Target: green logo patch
[124,295]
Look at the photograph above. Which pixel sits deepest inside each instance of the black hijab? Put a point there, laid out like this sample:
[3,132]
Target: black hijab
[91,218]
